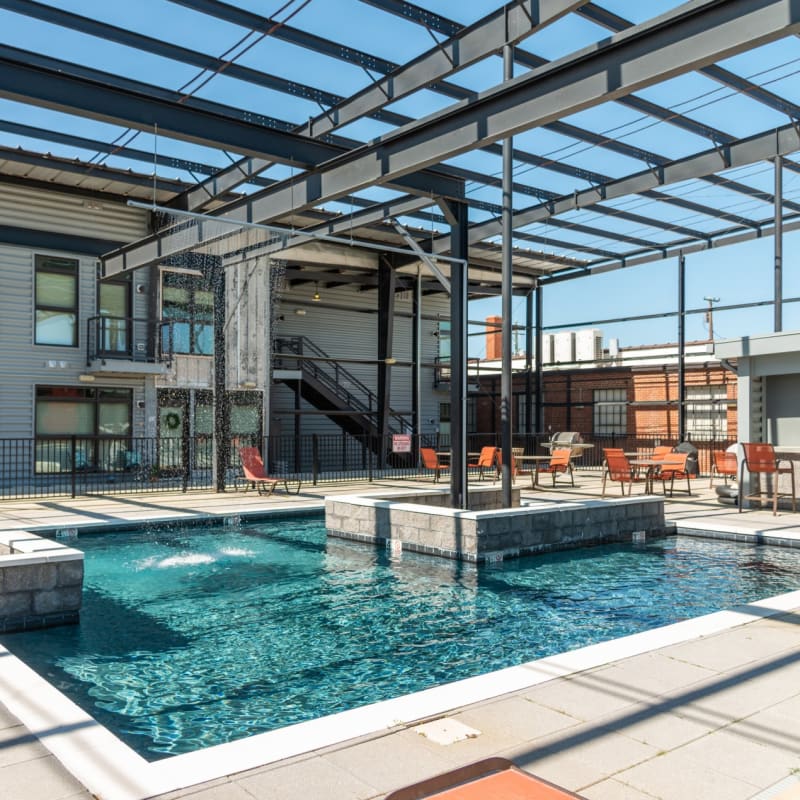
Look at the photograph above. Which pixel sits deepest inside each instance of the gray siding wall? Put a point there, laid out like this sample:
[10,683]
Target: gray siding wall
[344,324]
[23,364]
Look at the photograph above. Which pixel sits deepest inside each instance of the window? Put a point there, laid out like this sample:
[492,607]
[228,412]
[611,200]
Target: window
[443,333]
[99,418]
[472,415]
[113,304]
[56,293]
[188,303]
[707,413]
[610,411]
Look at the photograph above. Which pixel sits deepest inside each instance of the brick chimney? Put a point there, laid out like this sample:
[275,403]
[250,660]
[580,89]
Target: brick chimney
[494,338]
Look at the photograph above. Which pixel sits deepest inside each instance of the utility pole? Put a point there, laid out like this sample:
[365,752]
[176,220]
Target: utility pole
[710,316]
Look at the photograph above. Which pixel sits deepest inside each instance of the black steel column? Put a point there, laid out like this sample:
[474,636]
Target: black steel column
[506,390]
[459,246]
[778,243]
[681,348]
[386,283]
[539,363]
[416,360]
[529,426]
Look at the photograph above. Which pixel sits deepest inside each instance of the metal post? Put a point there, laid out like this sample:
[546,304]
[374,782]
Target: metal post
[539,363]
[681,347]
[507,286]
[459,248]
[529,427]
[416,357]
[778,243]
[386,286]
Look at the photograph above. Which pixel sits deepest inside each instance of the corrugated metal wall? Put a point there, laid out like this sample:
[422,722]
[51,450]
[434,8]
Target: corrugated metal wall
[23,365]
[66,213]
[345,325]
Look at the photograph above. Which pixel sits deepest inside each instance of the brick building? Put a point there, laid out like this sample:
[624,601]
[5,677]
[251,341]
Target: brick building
[621,391]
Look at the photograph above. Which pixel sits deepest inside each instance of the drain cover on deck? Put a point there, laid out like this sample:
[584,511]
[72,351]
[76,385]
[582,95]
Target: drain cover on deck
[446,731]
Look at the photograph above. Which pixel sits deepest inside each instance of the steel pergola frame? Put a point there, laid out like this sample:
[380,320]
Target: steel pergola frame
[442,169]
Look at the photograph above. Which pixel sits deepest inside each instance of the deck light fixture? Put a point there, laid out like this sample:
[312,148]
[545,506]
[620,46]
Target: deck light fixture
[316,296]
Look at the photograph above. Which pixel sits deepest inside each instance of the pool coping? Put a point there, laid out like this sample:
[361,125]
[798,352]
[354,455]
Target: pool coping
[110,769]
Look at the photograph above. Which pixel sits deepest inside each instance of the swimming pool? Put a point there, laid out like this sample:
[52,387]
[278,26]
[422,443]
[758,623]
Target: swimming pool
[196,636]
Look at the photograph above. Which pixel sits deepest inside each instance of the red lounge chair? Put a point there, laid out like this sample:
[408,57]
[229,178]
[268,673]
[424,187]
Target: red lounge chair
[560,462]
[618,468]
[431,461]
[253,468]
[724,464]
[674,466]
[484,780]
[486,460]
[760,459]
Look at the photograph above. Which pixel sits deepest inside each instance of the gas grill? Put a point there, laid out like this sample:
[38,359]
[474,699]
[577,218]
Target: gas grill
[571,439]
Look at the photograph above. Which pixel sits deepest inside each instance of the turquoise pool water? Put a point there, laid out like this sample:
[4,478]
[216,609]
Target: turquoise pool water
[195,636]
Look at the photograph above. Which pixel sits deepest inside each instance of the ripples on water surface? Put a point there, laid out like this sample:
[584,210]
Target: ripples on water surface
[197,636]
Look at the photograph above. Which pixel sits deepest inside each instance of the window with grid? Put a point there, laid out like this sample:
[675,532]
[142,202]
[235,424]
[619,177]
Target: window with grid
[707,413]
[610,411]
[56,295]
[188,303]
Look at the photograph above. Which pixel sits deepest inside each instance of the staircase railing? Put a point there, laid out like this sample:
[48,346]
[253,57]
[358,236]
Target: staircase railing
[315,362]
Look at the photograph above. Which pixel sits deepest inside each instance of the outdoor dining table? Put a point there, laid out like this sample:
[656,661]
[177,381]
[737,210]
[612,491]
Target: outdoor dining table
[535,460]
[651,464]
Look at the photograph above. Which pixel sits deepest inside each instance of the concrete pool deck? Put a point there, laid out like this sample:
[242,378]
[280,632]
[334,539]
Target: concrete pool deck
[706,708]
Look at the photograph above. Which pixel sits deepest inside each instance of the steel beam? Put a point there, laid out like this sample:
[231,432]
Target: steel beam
[761,147]
[59,85]
[507,25]
[694,35]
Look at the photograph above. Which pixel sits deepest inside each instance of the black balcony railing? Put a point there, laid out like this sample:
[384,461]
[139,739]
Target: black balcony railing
[78,465]
[130,339]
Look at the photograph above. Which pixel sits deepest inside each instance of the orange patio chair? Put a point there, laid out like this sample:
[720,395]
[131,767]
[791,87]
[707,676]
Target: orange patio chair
[483,780]
[515,468]
[759,459]
[560,463]
[661,452]
[674,466]
[618,468]
[723,463]
[431,461]
[487,459]
[253,469]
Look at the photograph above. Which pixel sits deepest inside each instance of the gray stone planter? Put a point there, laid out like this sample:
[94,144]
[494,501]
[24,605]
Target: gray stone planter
[41,582]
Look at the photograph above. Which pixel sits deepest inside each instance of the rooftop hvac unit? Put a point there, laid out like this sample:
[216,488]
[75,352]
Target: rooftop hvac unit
[589,345]
[564,347]
[547,349]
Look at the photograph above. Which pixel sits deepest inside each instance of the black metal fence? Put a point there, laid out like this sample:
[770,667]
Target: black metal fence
[81,465]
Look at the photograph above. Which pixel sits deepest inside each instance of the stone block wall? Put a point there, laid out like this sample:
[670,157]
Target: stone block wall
[41,582]
[492,534]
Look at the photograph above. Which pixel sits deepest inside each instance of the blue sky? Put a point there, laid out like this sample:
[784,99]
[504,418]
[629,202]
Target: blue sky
[737,274]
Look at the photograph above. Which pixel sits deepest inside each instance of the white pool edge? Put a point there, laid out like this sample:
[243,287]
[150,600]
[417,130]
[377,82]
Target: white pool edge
[108,768]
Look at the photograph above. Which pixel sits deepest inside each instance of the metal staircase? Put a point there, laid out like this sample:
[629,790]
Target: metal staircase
[328,386]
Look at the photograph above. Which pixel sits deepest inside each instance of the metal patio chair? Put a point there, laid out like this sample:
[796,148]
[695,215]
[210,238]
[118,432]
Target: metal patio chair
[760,459]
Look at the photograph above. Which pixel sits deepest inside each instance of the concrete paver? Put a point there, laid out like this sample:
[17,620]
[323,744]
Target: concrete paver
[716,717]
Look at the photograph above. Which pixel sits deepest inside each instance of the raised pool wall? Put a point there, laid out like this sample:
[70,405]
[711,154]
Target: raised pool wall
[485,533]
[41,582]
